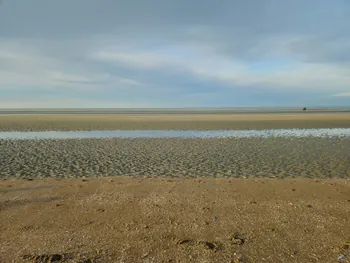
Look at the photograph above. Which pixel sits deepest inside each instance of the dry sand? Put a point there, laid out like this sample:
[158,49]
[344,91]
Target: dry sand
[125,219]
[204,122]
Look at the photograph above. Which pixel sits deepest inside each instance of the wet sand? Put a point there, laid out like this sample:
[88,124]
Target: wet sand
[185,122]
[183,158]
[131,219]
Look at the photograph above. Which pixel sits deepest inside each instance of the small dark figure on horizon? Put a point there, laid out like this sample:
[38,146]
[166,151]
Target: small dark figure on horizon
[304,109]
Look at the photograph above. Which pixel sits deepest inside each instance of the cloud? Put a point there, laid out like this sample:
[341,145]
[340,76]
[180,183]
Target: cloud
[56,102]
[345,94]
[182,53]
[139,60]
[26,66]
[310,76]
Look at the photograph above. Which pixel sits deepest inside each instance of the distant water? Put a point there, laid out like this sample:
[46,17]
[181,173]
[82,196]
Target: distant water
[298,133]
[164,111]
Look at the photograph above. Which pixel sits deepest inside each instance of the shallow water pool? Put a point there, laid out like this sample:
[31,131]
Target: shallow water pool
[324,133]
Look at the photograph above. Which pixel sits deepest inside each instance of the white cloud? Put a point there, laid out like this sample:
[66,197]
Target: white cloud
[24,67]
[345,94]
[139,60]
[302,76]
[313,77]
[107,67]
[52,102]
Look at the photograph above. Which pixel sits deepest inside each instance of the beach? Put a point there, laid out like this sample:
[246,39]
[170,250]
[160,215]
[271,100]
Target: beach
[253,199]
[135,219]
[183,122]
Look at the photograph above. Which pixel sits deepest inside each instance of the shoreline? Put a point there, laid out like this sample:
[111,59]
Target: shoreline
[175,111]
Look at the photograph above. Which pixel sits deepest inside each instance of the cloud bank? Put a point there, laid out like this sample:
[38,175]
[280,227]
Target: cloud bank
[154,53]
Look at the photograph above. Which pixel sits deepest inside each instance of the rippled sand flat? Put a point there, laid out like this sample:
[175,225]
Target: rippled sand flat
[255,157]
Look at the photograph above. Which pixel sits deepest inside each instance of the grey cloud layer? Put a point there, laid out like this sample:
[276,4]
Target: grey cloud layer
[91,16]
[188,47]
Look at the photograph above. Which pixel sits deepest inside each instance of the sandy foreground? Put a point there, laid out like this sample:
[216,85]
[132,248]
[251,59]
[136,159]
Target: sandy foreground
[187,122]
[133,219]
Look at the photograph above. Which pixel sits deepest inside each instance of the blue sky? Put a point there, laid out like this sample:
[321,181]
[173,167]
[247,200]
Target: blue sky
[174,53]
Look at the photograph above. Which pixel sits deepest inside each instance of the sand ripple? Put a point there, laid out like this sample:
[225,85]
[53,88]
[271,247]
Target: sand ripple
[272,157]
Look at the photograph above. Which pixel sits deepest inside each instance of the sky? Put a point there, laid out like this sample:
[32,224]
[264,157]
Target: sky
[174,53]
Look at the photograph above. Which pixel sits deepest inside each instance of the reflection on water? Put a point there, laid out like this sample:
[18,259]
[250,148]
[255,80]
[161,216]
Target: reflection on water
[177,134]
